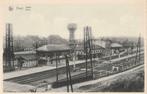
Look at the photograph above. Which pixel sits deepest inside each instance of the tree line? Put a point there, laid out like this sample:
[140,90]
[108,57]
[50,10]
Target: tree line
[31,42]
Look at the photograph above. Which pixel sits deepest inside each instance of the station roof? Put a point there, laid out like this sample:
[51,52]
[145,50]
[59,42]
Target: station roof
[25,52]
[54,47]
[116,45]
[101,44]
[25,55]
[96,46]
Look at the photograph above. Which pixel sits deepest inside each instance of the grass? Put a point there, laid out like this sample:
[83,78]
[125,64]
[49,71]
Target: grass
[131,82]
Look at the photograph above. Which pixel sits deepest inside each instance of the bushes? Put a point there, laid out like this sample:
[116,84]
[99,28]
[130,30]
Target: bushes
[133,84]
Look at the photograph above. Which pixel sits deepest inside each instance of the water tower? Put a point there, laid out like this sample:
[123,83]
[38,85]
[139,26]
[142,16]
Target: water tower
[71,27]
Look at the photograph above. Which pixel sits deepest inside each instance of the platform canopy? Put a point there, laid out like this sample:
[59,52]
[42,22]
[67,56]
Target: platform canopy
[100,44]
[26,55]
[54,48]
[116,45]
[25,52]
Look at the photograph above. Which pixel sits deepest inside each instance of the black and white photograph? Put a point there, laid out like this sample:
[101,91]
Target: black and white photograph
[97,47]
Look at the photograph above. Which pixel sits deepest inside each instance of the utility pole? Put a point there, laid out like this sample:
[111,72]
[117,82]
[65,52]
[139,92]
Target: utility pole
[67,78]
[91,46]
[68,75]
[138,51]
[56,56]
[88,47]
[139,48]
[37,58]
[85,47]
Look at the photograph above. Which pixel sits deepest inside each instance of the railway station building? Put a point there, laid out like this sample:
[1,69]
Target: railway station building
[49,53]
[28,58]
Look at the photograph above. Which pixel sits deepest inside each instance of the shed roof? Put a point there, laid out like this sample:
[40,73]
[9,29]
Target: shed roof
[113,45]
[54,47]
[26,55]
[25,52]
[101,44]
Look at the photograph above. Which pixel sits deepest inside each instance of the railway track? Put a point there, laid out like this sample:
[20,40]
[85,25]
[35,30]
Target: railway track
[29,79]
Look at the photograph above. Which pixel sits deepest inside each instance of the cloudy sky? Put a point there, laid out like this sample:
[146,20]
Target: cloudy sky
[105,19]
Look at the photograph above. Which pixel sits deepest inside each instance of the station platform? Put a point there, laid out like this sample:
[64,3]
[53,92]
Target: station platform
[19,73]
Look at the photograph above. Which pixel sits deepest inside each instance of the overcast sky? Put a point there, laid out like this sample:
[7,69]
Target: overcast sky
[105,19]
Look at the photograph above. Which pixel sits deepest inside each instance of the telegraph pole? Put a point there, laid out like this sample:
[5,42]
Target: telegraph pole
[68,75]
[138,50]
[56,56]
[88,47]
[91,46]
[85,47]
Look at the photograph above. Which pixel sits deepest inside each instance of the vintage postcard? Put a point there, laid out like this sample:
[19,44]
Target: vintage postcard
[73,46]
